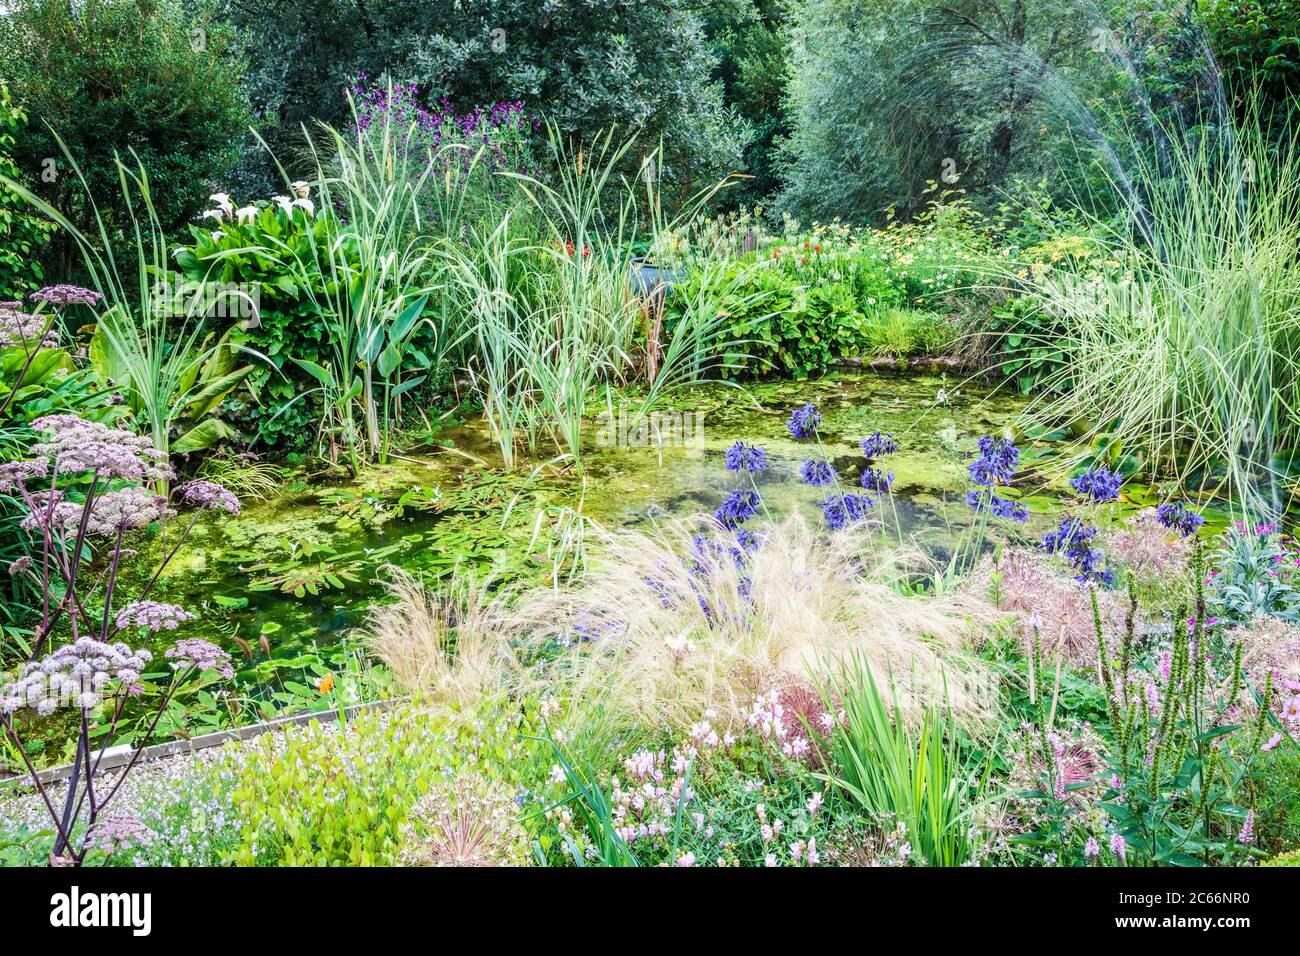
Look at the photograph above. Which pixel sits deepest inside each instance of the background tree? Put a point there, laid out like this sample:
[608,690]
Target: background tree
[885,97]
[750,39]
[113,76]
[585,64]
[1257,43]
[23,234]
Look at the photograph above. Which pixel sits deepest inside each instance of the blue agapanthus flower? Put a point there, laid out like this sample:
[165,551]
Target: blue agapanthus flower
[841,510]
[739,506]
[742,457]
[996,462]
[747,541]
[998,507]
[804,421]
[1075,540]
[876,479]
[877,445]
[1179,518]
[815,471]
[1098,483]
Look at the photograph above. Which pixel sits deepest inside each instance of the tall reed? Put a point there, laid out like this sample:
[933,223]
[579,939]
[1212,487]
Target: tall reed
[1183,342]
[154,346]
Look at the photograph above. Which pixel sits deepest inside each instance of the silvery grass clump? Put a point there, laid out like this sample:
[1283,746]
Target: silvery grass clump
[666,625]
[1179,337]
[91,673]
[696,614]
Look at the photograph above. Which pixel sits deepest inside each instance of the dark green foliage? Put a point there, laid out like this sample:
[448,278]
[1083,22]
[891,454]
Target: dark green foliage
[750,39]
[22,234]
[1257,43]
[277,412]
[791,327]
[585,64]
[146,76]
[885,97]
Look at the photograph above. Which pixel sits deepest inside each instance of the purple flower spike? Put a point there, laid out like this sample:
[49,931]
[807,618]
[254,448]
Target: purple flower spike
[804,421]
[1098,483]
[742,457]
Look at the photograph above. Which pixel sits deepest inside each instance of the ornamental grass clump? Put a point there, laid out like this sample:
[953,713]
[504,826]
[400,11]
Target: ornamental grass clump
[452,647]
[1178,342]
[674,638]
[904,768]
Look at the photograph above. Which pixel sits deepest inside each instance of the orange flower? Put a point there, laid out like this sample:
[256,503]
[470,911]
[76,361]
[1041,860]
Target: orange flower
[326,684]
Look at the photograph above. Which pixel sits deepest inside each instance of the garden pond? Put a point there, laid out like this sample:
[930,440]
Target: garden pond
[296,571]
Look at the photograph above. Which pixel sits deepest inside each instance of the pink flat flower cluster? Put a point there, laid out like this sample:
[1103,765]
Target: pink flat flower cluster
[200,654]
[120,832]
[25,330]
[205,494]
[111,512]
[77,674]
[63,295]
[152,616]
[75,445]
[14,473]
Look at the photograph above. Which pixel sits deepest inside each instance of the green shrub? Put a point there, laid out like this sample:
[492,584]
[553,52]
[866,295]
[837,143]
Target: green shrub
[121,76]
[1284,859]
[323,796]
[787,327]
[290,324]
[319,796]
[22,234]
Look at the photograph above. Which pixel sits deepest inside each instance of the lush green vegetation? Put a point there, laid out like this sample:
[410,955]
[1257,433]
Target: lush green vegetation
[752,434]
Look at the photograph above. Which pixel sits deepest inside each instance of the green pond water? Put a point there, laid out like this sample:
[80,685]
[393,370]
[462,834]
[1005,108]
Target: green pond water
[298,570]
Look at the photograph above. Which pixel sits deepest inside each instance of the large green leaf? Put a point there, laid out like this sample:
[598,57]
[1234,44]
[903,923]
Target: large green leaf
[210,395]
[203,435]
[315,371]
